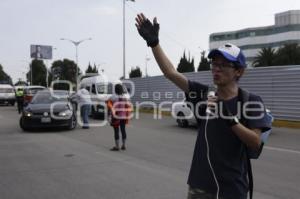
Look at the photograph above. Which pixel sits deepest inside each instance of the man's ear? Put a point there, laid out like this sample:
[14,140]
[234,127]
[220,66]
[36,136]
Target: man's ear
[240,72]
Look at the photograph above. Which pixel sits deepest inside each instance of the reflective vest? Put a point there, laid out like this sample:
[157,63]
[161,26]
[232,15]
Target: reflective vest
[19,93]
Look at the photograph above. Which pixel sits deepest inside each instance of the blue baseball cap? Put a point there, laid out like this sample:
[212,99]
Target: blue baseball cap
[230,52]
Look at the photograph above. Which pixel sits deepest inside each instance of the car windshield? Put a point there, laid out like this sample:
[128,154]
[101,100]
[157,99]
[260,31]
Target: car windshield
[101,88]
[43,97]
[108,88]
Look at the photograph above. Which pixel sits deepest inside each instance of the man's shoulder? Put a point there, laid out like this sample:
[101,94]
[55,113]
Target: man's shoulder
[250,95]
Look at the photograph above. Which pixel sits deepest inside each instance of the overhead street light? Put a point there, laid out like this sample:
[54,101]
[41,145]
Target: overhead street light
[124,42]
[146,65]
[76,44]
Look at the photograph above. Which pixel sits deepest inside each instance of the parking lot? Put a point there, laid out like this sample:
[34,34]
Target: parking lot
[78,163]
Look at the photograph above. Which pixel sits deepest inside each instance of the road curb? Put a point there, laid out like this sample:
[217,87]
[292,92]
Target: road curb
[287,124]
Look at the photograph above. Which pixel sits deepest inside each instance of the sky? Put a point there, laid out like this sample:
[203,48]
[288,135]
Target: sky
[184,26]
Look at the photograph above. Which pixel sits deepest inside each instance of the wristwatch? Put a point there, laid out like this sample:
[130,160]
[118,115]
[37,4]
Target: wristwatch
[233,121]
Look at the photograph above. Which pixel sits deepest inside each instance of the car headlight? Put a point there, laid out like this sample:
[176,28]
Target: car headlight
[67,113]
[27,114]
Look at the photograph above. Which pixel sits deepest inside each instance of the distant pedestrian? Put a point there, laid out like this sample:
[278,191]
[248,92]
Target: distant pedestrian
[20,99]
[119,110]
[84,103]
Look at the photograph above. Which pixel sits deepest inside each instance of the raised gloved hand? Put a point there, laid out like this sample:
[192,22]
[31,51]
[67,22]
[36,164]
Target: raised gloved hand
[149,31]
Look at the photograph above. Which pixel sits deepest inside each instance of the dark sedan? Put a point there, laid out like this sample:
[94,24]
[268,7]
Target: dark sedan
[49,109]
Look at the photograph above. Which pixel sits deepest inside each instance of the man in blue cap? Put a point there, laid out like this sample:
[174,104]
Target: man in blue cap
[219,165]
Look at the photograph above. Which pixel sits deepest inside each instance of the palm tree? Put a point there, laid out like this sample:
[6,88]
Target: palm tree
[265,57]
[289,54]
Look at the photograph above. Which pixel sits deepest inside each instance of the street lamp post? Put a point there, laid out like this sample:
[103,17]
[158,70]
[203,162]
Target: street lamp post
[146,65]
[124,42]
[76,43]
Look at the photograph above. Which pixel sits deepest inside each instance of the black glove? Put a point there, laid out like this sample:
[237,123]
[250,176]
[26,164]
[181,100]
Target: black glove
[149,32]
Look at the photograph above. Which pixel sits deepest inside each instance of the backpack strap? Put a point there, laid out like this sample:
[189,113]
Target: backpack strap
[243,96]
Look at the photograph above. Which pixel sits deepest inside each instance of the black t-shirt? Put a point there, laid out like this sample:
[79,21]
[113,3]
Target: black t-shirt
[226,151]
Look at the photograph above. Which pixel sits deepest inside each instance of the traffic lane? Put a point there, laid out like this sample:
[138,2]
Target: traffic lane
[158,141]
[9,119]
[276,173]
[152,141]
[284,138]
[48,165]
[59,167]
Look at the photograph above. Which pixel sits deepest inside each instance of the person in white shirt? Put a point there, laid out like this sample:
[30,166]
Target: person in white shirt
[84,103]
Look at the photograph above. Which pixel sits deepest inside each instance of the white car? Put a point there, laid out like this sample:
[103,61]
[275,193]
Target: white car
[183,114]
[7,94]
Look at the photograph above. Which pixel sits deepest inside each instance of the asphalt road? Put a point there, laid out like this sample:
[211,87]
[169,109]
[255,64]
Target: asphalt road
[78,164]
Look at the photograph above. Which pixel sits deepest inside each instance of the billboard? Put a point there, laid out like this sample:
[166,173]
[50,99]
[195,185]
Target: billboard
[40,52]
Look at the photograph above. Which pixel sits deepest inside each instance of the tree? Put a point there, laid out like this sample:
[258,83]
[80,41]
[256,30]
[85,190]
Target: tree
[4,77]
[21,83]
[289,54]
[265,57]
[186,65]
[91,69]
[204,64]
[38,73]
[65,70]
[95,69]
[135,72]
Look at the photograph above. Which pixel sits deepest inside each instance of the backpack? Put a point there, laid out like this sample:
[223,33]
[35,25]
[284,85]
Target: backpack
[243,97]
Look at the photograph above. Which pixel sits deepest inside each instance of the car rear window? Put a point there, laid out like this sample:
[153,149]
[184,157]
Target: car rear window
[47,97]
[6,90]
[32,91]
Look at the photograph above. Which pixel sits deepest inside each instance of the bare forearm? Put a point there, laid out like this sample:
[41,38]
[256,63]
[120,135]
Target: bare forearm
[251,137]
[164,63]
[168,69]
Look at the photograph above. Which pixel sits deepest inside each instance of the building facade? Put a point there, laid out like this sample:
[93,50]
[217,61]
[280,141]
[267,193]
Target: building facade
[252,40]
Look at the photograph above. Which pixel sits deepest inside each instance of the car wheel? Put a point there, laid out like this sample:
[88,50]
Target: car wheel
[12,103]
[73,123]
[181,122]
[22,125]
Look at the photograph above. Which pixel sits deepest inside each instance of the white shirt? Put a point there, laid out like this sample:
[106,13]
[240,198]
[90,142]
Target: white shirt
[83,96]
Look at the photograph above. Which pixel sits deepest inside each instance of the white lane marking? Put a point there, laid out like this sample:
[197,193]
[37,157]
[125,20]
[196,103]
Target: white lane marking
[282,150]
